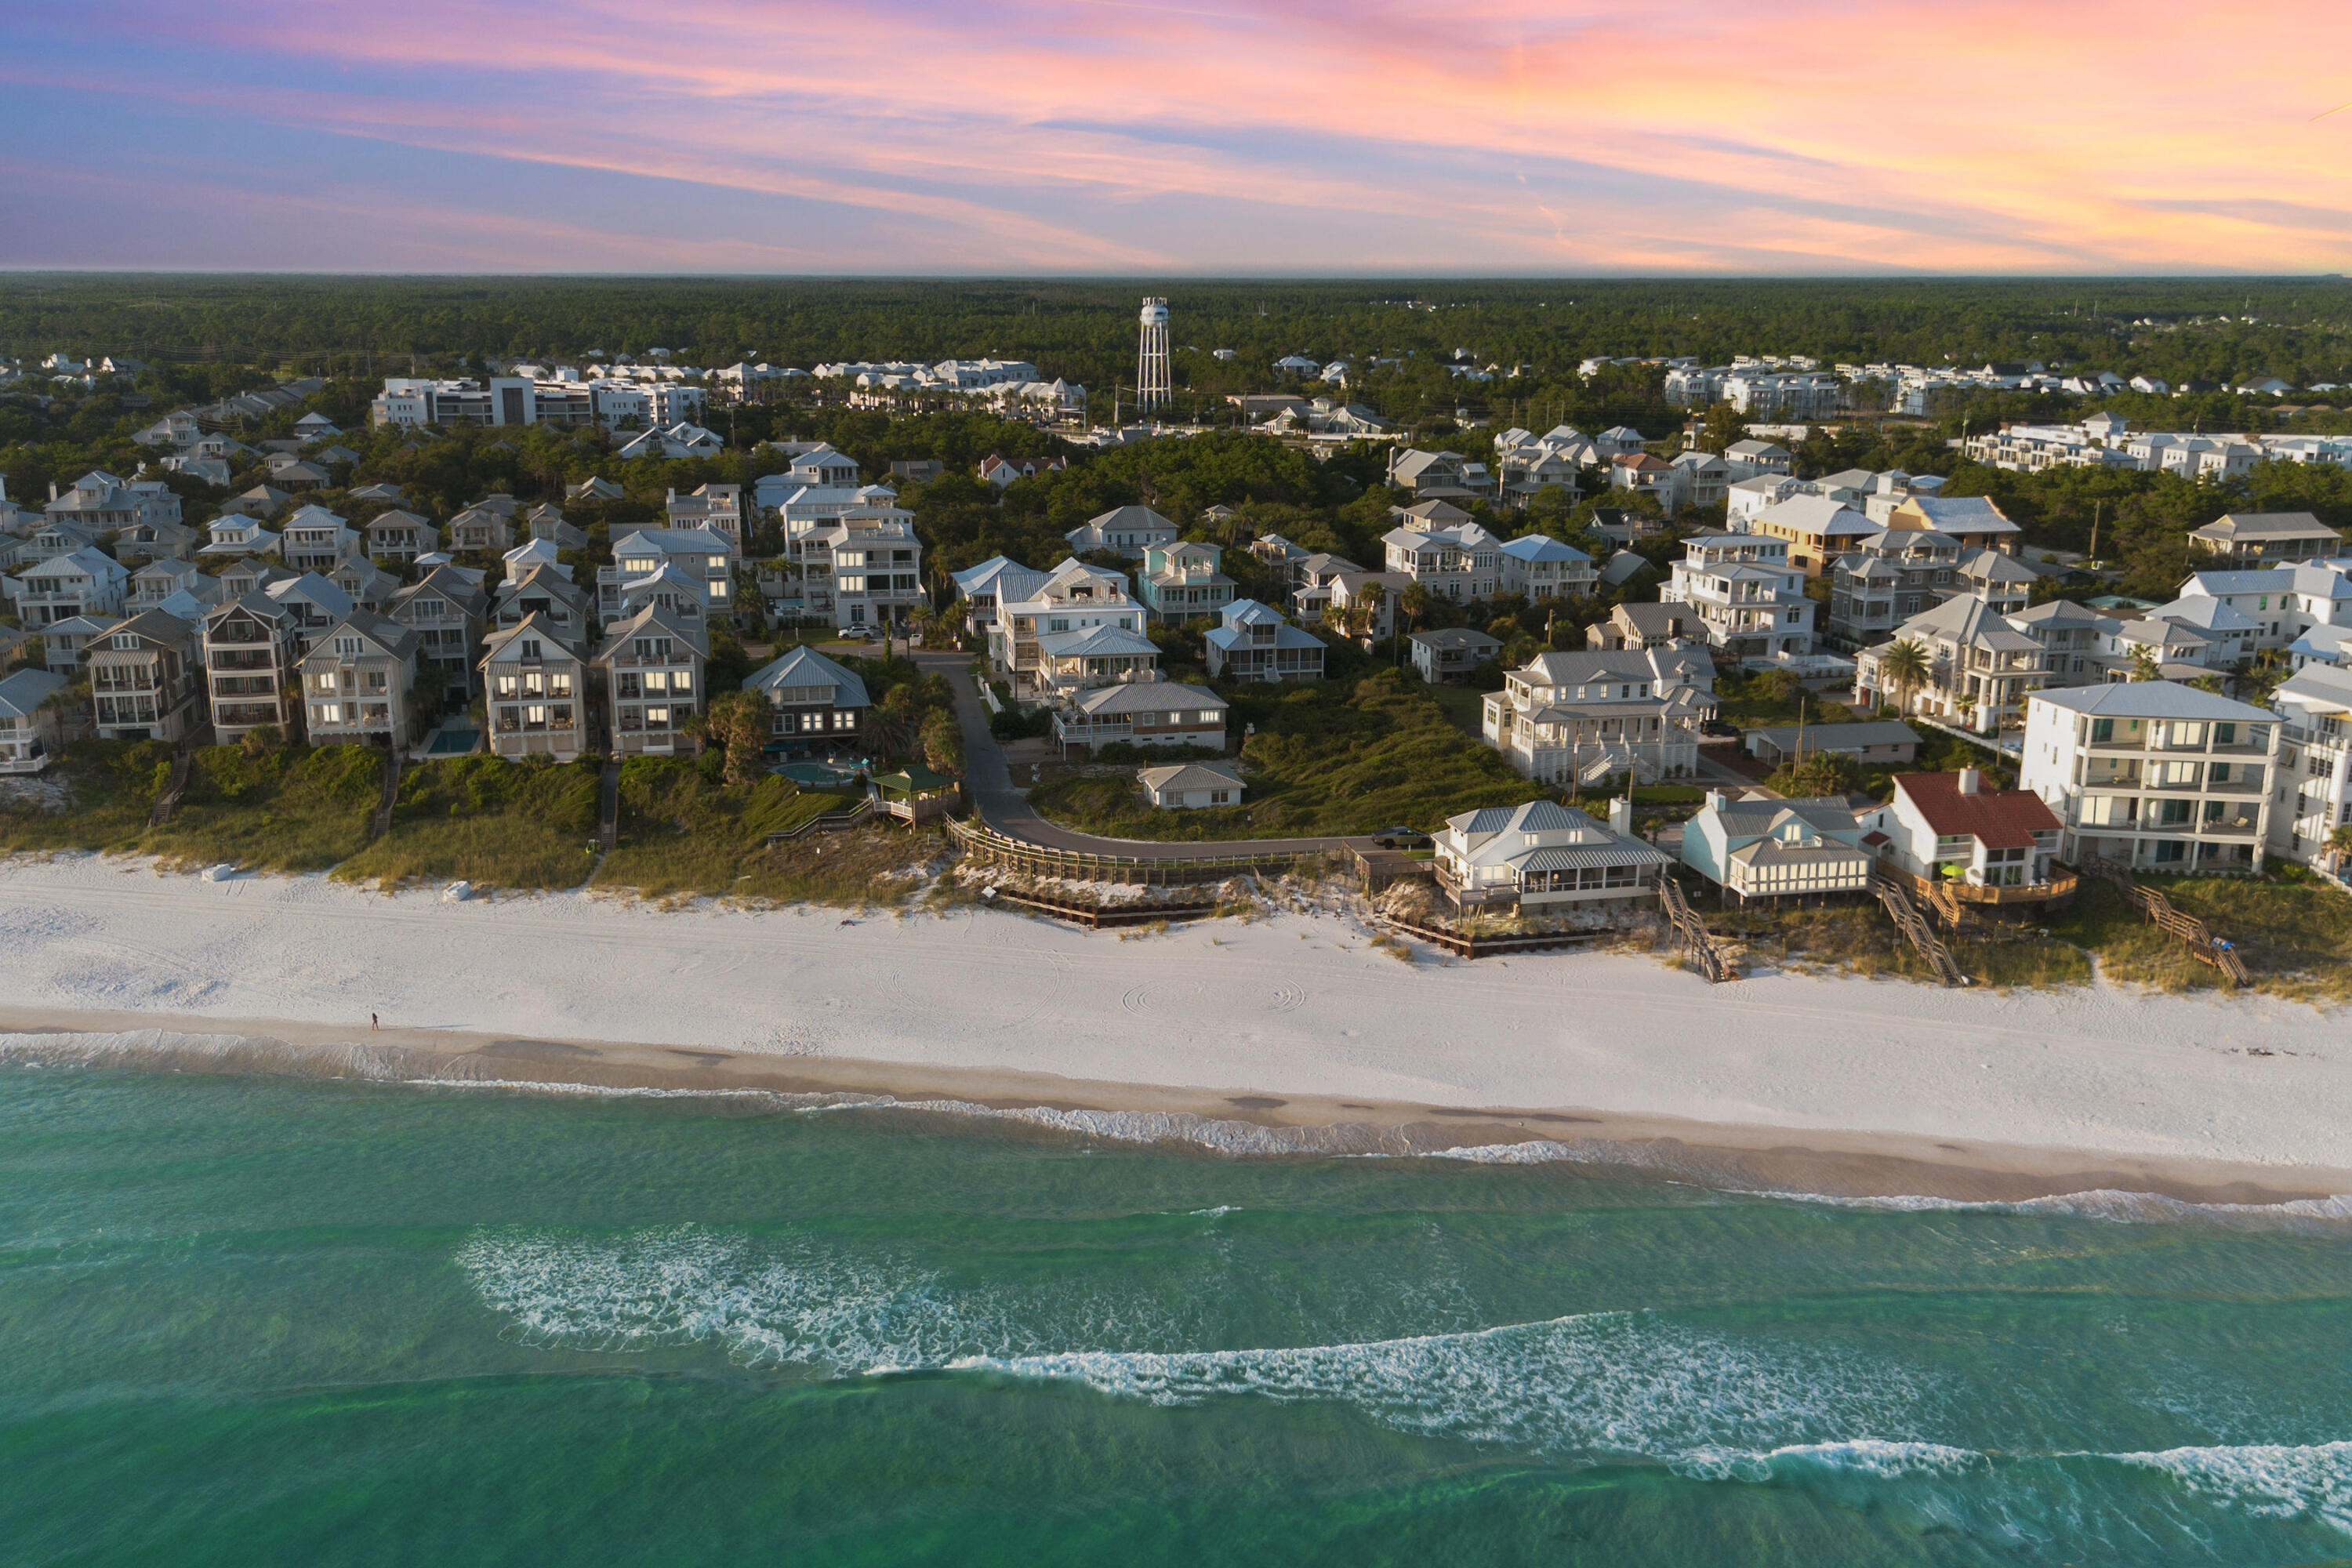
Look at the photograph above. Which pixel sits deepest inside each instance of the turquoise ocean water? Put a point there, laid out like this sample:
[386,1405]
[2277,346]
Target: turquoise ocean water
[254,1320]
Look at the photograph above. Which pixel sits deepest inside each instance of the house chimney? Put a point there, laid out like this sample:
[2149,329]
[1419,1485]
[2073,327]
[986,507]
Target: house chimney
[53,489]
[1716,800]
[1621,815]
[1972,781]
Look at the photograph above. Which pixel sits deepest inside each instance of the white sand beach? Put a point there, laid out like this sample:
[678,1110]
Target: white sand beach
[1291,1006]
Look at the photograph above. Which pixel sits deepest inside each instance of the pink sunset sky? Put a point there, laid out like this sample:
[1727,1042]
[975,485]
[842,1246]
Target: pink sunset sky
[1197,136]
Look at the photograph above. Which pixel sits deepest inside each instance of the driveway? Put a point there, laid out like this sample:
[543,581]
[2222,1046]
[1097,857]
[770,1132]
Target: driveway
[989,784]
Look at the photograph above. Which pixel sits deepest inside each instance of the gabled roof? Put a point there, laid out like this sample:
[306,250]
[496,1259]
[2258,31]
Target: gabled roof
[1127,518]
[496,643]
[1819,515]
[316,590]
[1825,815]
[388,635]
[1997,818]
[158,625]
[1968,620]
[655,619]
[1959,515]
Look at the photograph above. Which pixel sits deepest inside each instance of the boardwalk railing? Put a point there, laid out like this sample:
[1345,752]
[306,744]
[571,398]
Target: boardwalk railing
[381,824]
[1922,936]
[2194,934]
[1691,935]
[182,760]
[1466,946]
[1040,859]
[827,822]
[1095,917]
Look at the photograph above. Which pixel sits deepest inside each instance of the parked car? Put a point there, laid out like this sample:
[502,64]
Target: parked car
[1401,839]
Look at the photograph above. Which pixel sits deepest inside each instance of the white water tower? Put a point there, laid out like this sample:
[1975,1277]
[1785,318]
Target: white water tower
[1152,388]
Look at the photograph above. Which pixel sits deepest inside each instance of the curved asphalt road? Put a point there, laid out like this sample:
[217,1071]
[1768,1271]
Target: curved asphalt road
[988,782]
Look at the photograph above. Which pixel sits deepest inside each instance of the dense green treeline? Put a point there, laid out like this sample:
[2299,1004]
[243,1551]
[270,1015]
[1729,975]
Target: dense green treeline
[1084,329]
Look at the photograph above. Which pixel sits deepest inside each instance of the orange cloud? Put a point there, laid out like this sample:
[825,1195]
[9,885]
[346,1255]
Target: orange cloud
[1983,135]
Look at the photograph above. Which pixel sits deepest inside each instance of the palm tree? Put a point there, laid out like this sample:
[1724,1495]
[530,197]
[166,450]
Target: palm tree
[2337,848]
[2144,666]
[1905,667]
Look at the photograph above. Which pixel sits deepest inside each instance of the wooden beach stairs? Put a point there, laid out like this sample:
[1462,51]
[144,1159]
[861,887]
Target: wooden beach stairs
[2194,934]
[1961,920]
[1693,937]
[1922,936]
[381,822]
[183,758]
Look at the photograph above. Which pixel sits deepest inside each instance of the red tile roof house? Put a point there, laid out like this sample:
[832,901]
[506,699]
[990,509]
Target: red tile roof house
[1981,845]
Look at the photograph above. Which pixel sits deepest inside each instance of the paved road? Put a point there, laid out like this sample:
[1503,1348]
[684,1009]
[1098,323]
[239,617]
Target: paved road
[988,782]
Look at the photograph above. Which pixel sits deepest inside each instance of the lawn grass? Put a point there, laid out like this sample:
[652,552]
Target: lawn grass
[1464,706]
[685,833]
[1327,759]
[486,820]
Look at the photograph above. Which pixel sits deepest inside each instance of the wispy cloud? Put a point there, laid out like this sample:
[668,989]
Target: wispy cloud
[1137,135]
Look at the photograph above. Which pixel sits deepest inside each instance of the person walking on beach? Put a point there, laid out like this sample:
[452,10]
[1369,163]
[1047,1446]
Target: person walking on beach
[371,1022]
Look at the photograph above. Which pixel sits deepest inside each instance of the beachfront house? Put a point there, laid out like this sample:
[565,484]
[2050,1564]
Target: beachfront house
[357,680]
[1981,845]
[820,705]
[1545,858]
[1768,850]
[250,648]
[446,608]
[144,679]
[2155,776]
[32,724]
[536,690]
[652,670]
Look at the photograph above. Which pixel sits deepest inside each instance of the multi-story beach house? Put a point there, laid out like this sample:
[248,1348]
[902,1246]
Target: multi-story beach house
[2286,602]
[1982,846]
[396,538]
[1764,850]
[698,555]
[357,683]
[1545,858]
[1541,567]
[1642,626]
[316,540]
[1167,713]
[1979,668]
[1078,629]
[447,609]
[145,678]
[1255,643]
[249,653]
[1463,564]
[1974,521]
[32,726]
[567,610]
[2254,539]
[994,581]
[1179,581]
[159,582]
[84,583]
[2313,794]
[717,507]
[1567,718]
[820,705]
[651,667]
[1816,530]
[863,571]
[535,689]
[1125,531]
[2154,775]
[1882,581]
[1750,600]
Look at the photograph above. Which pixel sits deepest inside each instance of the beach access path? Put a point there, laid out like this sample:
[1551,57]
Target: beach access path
[988,781]
[1297,1005]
